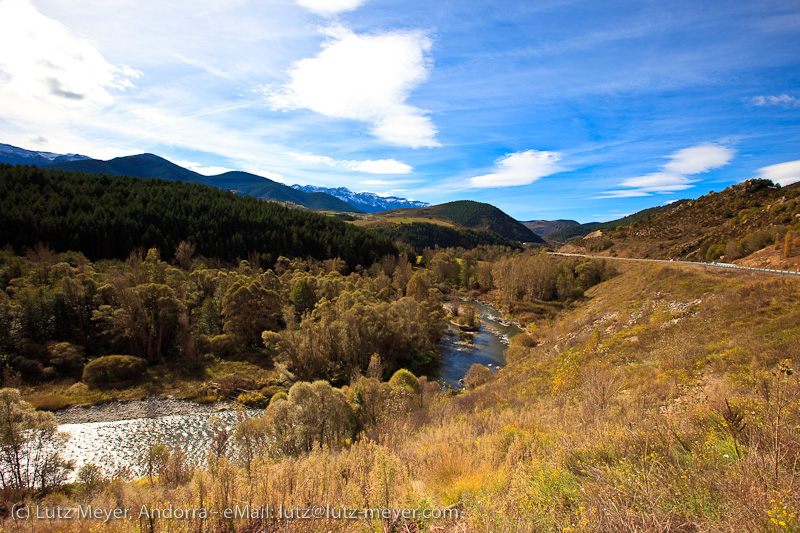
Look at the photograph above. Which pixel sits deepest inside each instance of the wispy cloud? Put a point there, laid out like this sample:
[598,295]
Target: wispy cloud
[369,166]
[366,78]
[519,168]
[43,62]
[782,173]
[327,8]
[677,174]
[783,100]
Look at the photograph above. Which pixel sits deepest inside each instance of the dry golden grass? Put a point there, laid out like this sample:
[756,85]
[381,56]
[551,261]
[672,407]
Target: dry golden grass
[666,401]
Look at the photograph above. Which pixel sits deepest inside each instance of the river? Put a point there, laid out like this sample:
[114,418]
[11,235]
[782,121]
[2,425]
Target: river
[115,436]
[490,341]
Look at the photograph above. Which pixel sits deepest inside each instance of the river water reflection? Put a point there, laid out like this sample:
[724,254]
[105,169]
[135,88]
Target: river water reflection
[122,443]
[489,344]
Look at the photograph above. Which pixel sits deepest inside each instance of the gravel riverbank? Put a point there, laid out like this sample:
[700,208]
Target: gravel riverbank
[145,408]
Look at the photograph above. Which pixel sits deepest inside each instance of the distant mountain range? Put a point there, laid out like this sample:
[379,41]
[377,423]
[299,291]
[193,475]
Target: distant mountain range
[543,228]
[369,202]
[153,166]
[18,156]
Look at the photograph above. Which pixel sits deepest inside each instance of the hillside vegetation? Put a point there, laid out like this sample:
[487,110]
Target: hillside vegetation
[470,215]
[726,226]
[108,217]
[421,235]
[639,397]
[604,419]
[572,232]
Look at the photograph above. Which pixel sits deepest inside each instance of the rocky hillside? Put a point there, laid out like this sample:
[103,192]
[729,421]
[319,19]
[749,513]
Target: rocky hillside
[726,226]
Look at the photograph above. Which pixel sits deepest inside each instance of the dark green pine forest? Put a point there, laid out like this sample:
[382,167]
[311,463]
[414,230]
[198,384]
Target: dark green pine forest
[108,217]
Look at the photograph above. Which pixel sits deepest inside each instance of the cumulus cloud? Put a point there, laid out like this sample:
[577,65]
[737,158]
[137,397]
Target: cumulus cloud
[369,166]
[519,168]
[41,60]
[678,173]
[366,78]
[783,100]
[782,173]
[327,8]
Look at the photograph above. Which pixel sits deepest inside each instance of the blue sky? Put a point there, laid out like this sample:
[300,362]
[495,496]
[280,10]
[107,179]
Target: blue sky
[548,109]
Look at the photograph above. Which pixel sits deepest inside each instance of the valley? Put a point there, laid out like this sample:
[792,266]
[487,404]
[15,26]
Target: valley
[351,362]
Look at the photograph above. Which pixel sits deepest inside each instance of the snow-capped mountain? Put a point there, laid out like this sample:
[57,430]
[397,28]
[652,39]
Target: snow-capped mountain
[369,202]
[19,156]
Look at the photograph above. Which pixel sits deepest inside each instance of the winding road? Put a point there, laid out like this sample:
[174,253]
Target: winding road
[710,265]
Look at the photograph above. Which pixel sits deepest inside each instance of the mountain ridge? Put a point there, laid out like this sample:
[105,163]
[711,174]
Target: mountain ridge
[14,155]
[369,202]
[543,228]
[242,183]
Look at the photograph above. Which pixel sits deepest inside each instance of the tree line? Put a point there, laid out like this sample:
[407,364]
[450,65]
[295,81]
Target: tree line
[107,217]
[60,311]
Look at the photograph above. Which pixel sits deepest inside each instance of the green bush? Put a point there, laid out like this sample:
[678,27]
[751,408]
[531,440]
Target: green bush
[113,369]
[252,399]
[66,357]
[278,396]
[404,379]
[223,346]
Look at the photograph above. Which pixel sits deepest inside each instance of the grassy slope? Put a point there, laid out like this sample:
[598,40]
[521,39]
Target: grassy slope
[613,421]
[618,430]
[573,232]
[467,214]
[736,214]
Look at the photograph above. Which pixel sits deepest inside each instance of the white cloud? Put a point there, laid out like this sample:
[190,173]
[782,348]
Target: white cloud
[369,166]
[200,169]
[699,159]
[783,100]
[630,193]
[43,61]
[327,8]
[659,182]
[382,166]
[519,168]
[782,173]
[677,174]
[366,78]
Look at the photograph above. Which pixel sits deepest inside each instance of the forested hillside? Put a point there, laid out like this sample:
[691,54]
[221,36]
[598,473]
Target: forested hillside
[472,215]
[108,217]
[421,235]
